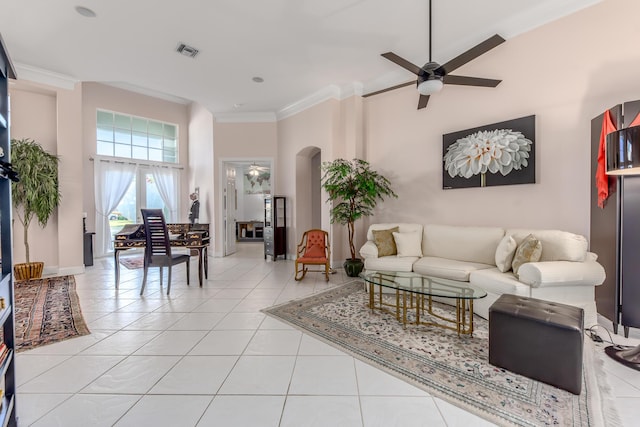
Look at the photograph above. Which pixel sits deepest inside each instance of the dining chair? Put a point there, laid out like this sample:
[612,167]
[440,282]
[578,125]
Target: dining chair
[157,252]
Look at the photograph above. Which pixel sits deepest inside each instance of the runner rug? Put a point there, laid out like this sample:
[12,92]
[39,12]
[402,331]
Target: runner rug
[453,368]
[47,311]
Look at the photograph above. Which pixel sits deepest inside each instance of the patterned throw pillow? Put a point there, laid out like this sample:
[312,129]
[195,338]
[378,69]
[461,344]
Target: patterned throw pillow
[384,241]
[529,250]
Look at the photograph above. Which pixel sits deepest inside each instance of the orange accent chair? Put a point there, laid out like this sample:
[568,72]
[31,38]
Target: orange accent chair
[313,250]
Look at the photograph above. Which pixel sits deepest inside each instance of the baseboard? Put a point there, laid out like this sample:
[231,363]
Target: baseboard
[64,271]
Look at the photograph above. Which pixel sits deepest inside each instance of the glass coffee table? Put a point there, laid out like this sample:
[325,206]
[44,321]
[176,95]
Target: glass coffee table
[412,291]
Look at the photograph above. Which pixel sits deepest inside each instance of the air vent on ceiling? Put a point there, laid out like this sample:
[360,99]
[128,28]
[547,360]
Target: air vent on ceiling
[186,50]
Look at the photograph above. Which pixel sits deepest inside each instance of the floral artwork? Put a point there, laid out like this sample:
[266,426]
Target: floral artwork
[498,154]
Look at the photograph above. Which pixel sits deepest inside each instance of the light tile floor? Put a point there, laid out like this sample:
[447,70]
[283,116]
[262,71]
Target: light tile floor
[208,357]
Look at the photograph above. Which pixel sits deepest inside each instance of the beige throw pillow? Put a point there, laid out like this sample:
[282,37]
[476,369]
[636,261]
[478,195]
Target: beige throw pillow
[529,250]
[504,253]
[408,244]
[384,241]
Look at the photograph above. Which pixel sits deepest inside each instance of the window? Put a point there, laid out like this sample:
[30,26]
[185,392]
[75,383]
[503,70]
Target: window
[122,135]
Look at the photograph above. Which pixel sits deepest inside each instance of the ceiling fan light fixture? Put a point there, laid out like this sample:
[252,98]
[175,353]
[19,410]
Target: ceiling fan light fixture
[430,86]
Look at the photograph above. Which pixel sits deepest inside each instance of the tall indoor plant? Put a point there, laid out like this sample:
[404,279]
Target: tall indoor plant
[355,189]
[36,195]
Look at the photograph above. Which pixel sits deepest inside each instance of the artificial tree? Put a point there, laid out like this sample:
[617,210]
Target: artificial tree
[355,190]
[36,194]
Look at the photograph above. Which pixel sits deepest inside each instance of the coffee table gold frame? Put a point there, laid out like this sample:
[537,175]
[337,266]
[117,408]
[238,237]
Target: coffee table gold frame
[416,292]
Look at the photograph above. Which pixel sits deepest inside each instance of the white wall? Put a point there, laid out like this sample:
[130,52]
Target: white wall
[201,165]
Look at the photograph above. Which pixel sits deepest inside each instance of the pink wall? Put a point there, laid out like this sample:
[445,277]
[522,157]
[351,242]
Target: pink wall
[33,115]
[565,73]
[64,121]
[98,96]
[239,141]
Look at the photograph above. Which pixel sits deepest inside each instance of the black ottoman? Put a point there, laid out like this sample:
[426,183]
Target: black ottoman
[539,339]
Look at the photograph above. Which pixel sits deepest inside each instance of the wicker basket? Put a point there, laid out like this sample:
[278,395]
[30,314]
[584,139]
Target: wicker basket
[28,271]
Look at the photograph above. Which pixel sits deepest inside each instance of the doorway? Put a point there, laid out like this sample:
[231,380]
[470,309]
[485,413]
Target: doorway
[245,185]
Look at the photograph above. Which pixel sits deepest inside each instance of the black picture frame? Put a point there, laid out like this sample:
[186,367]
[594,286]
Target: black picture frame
[524,175]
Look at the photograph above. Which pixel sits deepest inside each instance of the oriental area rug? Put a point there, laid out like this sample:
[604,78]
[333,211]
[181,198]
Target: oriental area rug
[47,311]
[455,369]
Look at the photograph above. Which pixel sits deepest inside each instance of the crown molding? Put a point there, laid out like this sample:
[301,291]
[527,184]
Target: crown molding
[353,89]
[147,92]
[265,117]
[40,75]
[324,94]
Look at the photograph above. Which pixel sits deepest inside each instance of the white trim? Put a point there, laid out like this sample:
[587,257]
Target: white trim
[54,270]
[329,92]
[148,92]
[266,117]
[40,75]
[353,89]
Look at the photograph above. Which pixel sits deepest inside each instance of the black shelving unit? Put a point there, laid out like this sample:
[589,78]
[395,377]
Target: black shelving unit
[615,232]
[275,227]
[7,366]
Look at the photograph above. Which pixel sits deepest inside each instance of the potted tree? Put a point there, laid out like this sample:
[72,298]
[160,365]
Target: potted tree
[355,190]
[36,194]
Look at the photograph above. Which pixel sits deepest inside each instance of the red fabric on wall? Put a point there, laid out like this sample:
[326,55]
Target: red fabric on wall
[602,179]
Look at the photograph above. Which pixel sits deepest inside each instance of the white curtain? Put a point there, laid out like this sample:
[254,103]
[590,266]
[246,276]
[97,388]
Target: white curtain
[167,181]
[111,183]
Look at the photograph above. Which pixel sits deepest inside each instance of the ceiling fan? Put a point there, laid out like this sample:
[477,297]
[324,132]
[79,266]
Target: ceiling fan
[255,169]
[432,76]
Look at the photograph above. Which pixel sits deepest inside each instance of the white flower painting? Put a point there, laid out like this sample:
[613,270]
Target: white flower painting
[493,151]
[498,154]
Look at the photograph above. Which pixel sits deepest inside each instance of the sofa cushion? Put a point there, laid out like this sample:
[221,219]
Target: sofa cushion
[495,282]
[556,245]
[390,263]
[447,268]
[385,242]
[402,228]
[505,252]
[408,244]
[473,244]
[529,250]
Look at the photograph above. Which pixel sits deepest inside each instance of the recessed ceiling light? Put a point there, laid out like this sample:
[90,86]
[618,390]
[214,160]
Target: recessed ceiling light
[258,79]
[85,11]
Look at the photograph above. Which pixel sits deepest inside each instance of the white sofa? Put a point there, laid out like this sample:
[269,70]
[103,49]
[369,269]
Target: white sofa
[566,272]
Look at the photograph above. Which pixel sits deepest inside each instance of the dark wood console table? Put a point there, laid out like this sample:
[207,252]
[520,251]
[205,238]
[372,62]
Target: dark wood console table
[194,237]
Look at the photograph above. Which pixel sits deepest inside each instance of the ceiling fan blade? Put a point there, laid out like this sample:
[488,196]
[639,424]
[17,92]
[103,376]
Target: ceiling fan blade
[402,62]
[423,101]
[471,54]
[470,81]
[412,82]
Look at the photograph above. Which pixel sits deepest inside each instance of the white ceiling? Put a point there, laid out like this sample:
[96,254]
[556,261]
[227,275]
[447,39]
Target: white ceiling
[299,47]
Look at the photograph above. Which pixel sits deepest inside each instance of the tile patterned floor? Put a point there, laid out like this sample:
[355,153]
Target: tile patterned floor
[208,357]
